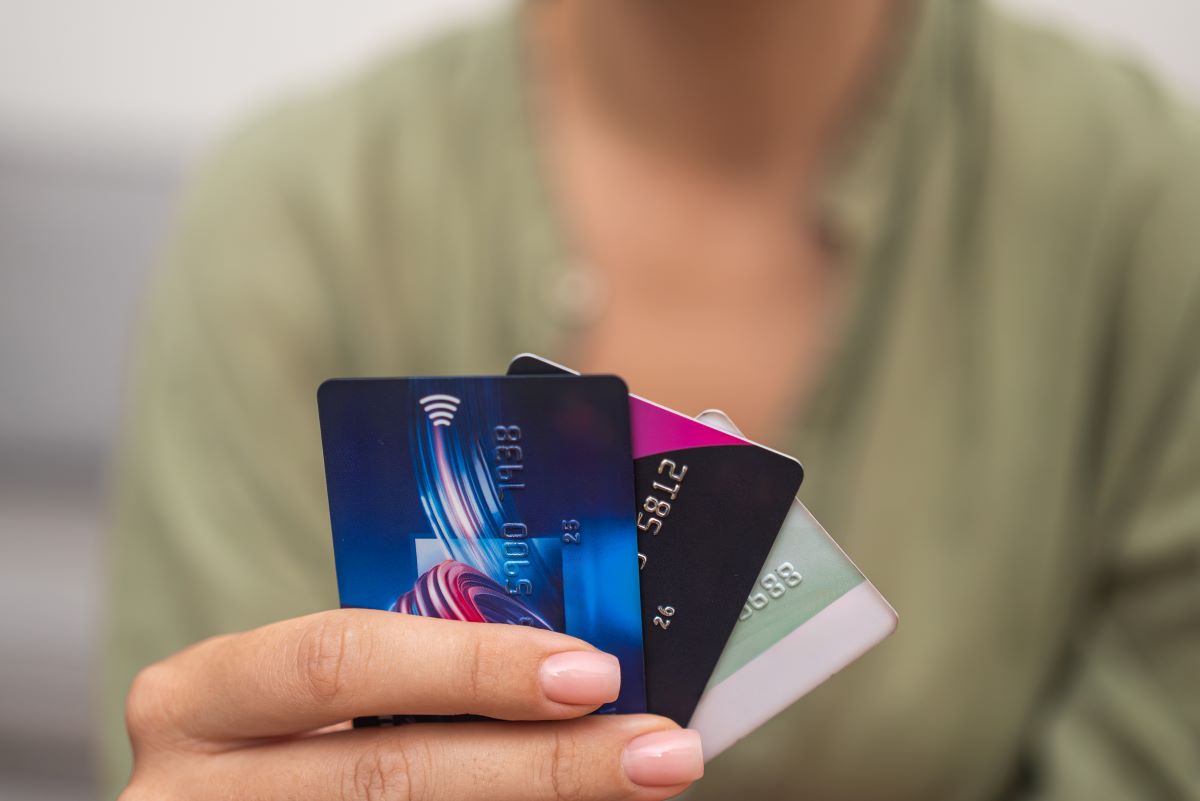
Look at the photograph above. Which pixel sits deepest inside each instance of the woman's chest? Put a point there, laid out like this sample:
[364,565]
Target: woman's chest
[722,312]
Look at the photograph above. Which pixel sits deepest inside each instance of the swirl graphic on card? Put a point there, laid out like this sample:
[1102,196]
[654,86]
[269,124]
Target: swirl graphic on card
[490,500]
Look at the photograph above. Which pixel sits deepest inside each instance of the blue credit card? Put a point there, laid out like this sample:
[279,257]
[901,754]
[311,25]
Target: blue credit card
[489,499]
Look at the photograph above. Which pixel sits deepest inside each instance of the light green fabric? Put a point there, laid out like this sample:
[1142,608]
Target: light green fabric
[1009,444]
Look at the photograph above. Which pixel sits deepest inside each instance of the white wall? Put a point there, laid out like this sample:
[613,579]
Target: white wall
[172,70]
[1161,33]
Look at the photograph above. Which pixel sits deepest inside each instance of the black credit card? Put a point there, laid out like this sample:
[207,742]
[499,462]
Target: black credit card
[709,507]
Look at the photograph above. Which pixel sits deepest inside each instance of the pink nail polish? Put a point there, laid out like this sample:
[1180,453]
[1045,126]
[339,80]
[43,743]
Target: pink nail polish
[664,758]
[581,677]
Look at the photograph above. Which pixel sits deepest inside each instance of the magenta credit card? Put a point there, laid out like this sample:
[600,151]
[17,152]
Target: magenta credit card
[709,506]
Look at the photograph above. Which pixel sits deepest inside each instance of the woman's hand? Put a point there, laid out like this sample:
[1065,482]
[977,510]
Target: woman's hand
[262,715]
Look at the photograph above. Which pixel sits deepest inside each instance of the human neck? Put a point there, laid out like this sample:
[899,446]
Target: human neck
[758,86]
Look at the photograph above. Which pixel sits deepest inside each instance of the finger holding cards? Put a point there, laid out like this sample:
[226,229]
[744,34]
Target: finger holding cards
[644,561]
[326,668]
[602,758]
[244,716]
[561,503]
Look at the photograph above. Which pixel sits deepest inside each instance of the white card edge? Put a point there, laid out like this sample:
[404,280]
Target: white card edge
[829,641]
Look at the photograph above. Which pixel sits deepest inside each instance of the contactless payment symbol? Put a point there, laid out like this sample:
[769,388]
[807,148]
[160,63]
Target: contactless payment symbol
[440,409]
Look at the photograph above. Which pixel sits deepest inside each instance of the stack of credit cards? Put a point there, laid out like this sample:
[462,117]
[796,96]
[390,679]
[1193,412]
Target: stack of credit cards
[549,499]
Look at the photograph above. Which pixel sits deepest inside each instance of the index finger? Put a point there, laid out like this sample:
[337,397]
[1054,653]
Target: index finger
[302,674]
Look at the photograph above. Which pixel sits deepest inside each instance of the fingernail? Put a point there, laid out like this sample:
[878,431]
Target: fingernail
[664,758]
[581,677]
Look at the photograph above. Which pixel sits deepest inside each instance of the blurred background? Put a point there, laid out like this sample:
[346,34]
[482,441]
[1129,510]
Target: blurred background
[104,107]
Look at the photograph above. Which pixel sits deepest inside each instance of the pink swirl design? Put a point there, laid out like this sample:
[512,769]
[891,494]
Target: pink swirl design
[455,591]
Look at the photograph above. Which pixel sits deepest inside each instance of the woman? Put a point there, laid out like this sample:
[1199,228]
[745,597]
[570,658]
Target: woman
[945,258]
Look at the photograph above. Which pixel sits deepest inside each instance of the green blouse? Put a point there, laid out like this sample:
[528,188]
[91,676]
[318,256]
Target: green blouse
[1008,444]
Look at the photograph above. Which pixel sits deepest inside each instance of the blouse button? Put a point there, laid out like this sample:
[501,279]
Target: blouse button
[576,297]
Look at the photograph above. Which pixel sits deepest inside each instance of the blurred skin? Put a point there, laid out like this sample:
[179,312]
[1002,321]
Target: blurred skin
[686,141]
[714,229]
